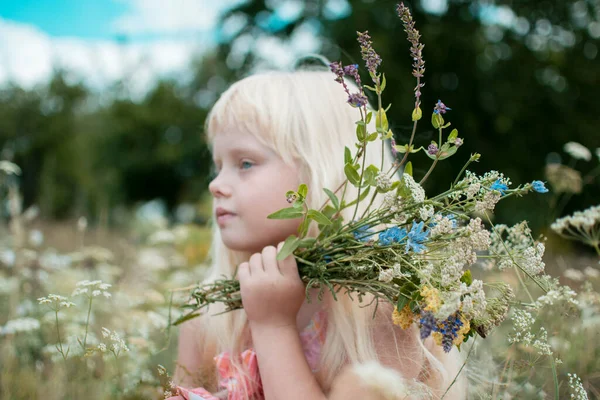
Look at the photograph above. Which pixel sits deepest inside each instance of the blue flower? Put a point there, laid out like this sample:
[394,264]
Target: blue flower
[449,330]
[392,235]
[539,187]
[499,186]
[416,237]
[362,233]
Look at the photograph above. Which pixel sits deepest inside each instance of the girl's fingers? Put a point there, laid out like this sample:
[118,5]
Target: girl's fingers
[288,266]
[243,271]
[269,259]
[256,264]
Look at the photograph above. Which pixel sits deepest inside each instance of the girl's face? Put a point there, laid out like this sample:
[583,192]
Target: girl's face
[251,183]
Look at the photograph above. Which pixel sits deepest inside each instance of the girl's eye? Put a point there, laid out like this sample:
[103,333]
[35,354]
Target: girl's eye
[246,164]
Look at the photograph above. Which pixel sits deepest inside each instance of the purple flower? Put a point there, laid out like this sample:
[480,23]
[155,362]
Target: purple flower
[416,50]
[427,324]
[433,149]
[458,142]
[440,108]
[357,99]
[368,54]
[394,151]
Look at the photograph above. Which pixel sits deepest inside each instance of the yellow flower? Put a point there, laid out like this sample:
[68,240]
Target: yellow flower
[437,337]
[432,299]
[464,329]
[403,318]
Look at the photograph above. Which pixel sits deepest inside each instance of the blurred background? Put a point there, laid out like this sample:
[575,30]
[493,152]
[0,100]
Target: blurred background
[102,103]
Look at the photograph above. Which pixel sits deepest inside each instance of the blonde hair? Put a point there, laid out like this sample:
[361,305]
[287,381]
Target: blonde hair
[303,116]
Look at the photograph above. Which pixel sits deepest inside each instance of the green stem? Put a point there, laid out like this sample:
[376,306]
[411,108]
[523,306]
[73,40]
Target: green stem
[464,168]
[62,352]
[87,324]
[460,370]
[555,377]
[429,172]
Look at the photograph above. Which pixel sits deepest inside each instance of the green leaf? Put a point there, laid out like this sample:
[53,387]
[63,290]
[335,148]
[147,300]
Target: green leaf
[467,277]
[361,132]
[333,198]
[383,83]
[363,194]
[405,148]
[290,244]
[402,302]
[371,175]
[372,137]
[286,213]
[408,168]
[369,116]
[381,122]
[447,125]
[351,174]
[436,120]
[417,114]
[307,242]
[453,135]
[347,155]
[303,190]
[319,217]
[303,227]
[371,88]
[450,152]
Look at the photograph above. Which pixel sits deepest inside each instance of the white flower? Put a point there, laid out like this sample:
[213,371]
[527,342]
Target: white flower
[9,168]
[473,190]
[541,343]
[105,332]
[488,203]
[591,272]
[102,347]
[426,212]
[443,225]
[386,275]
[578,151]
[574,274]
[577,390]
[19,325]
[416,191]
[383,181]
[522,324]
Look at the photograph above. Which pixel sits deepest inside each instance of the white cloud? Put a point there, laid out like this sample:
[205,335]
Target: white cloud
[171,17]
[28,56]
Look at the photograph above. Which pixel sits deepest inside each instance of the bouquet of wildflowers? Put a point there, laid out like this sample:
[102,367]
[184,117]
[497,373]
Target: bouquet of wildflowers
[414,250]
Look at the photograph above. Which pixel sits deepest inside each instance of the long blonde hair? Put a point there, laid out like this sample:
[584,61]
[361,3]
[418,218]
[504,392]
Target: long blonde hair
[303,116]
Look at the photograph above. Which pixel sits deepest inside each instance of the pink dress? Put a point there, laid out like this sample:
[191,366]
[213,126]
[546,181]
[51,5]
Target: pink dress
[312,338]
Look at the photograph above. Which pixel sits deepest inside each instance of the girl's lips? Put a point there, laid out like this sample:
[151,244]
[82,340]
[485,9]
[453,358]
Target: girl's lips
[222,218]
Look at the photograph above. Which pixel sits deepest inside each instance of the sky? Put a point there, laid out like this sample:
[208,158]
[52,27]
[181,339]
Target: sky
[100,41]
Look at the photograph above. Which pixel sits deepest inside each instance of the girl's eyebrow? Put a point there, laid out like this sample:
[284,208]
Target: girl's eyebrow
[241,150]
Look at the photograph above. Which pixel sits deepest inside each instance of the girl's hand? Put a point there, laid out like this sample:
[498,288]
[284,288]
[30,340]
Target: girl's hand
[272,291]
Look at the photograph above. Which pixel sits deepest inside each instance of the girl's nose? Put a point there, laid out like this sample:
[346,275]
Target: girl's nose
[218,188]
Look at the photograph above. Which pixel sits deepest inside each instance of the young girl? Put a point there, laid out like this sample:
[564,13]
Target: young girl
[269,133]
